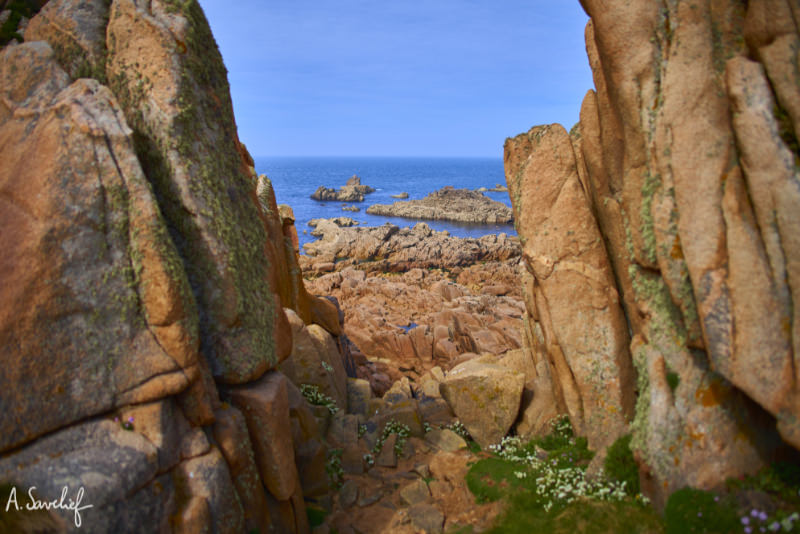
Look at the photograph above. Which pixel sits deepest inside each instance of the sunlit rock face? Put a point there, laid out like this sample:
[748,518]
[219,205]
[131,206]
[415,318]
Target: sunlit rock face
[143,278]
[671,206]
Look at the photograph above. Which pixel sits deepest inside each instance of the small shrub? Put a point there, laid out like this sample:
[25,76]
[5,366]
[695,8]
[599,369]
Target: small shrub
[673,379]
[620,465]
[315,397]
[333,467]
[393,427]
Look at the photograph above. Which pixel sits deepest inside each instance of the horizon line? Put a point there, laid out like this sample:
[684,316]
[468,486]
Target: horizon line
[500,157]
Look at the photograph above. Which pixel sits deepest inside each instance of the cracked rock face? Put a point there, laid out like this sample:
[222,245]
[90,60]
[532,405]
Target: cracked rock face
[96,313]
[685,165]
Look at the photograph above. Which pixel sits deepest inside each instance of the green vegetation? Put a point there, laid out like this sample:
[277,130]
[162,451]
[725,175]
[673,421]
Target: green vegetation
[780,481]
[18,9]
[545,487]
[316,398]
[620,465]
[673,379]
[393,427]
[333,467]
[316,515]
[690,510]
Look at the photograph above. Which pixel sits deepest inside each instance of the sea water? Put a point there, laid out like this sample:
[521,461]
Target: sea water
[296,179]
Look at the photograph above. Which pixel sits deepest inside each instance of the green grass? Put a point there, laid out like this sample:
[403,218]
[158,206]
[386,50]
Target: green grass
[620,465]
[585,516]
[691,510]
[316,516]
[543,486]
[488,479]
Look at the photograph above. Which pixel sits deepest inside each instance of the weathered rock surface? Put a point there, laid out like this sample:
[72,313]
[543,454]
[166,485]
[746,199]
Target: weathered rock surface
[449,204]
[684,164]
[97,310]
[485,397]
[390,248]
[422,319]
[583,323]
[178,104]
[138,274]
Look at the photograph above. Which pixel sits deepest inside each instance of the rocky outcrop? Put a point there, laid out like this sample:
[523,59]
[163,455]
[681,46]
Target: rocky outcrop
[670,205]
[389,248]
[145,272]
[338,221]
[352,191]
[449,204]
[423,318]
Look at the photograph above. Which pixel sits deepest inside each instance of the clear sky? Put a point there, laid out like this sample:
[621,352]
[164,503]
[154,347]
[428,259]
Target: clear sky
[404,78]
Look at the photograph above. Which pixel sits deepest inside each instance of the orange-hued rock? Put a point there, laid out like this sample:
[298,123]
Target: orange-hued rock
[265,406]
[212,502]
[165,68]
[315,360]
[686,157]
[564,251]
[97,310]
[423,318]
[230,433]
[76,30]
[485,397]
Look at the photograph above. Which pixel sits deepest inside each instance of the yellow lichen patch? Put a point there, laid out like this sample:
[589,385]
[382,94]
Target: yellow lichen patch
[713,394]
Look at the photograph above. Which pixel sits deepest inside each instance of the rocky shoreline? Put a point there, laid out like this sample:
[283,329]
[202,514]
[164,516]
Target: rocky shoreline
[389,248]
[449,204]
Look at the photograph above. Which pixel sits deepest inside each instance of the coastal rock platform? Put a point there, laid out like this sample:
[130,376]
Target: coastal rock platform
[449,204]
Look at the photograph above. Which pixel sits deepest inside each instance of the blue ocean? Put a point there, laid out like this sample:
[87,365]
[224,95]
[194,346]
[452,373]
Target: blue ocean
[296,179]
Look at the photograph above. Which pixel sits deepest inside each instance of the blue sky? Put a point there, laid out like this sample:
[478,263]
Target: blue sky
[408,78]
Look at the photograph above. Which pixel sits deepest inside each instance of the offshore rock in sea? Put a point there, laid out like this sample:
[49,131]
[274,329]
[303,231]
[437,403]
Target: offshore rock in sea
[449,204]
[352,191]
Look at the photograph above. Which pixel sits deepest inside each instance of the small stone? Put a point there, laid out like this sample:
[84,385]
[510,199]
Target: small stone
[372,498]
[426,517]
[343,429]
[445,440]
[359,393]
[408,450]
[388,457]
[415,493]
[352,460]
[422,470]
[348,494]
[440,488]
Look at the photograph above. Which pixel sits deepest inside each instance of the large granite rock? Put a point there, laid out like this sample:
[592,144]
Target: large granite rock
[168,75]
[449,204]
[137,238]
[578,305]
[97,309]
[485,397]
[316,360]
[685,157]
[265,406]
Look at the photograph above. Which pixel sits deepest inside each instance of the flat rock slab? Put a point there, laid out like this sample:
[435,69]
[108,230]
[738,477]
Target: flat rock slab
[449,204]
[415,493]
[426,517]
[445,440]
